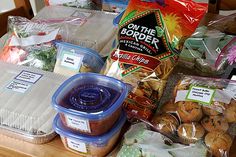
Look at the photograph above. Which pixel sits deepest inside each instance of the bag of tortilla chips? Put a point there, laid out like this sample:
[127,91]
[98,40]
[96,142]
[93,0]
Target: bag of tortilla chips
[150,37]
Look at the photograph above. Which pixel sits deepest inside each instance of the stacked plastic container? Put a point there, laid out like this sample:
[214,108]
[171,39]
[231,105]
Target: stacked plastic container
[90,115]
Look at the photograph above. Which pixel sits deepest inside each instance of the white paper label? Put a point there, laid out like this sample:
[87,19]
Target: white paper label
[18,86]
[28,76]
[233,77]
[200,94]
[78,123]
[72,61]
[55,2]
[77,145]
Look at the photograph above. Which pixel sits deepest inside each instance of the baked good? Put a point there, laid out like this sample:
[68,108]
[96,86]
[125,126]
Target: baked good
[189,111]
[230,112]
[169,107]
[190,132]
[214,109]
[165,123]
[215,123]
[181,85]
[219,143]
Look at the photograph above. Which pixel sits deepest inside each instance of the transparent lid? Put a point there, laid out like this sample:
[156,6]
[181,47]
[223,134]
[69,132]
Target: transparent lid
[61,130]
[90,95]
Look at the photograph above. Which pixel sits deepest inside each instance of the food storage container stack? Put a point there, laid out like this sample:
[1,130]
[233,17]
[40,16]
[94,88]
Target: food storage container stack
[90,114]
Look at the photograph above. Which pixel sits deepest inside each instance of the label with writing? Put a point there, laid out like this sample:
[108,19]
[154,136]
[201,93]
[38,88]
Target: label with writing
[77,123]
[18,86]
[77,145]
[28,76]
[200,94]
[72,61]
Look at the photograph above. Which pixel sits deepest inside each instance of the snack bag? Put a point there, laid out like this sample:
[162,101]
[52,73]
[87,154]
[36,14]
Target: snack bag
[149,40]
[206,50]
[202,110]
[30,44]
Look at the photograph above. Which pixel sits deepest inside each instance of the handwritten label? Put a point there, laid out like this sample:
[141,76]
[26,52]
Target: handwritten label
[77,145]
[18,86]
[78,123]
[200,94]
[28,76]
[72,61]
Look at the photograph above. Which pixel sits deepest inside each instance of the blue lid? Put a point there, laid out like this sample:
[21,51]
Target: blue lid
[117,19]
[91,57]
[90,96]
[61,130]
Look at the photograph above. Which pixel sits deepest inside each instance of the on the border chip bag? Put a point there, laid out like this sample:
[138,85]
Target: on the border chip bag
[149,38]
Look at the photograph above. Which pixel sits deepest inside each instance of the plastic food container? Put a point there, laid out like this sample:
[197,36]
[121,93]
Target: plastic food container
[90,103]
[73,59]
[96,146]
[25,98]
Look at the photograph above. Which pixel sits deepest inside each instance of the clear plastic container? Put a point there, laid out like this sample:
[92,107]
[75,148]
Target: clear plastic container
[96,146]
[73,59]
[25,97]
[90,103]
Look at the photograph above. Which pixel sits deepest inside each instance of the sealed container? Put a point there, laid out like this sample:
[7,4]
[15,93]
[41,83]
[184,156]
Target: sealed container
[90,103]
[73,59]
[25,97]
[96,146]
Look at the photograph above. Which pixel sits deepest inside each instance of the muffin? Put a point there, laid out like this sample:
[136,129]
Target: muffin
[190,132]
[215,123]
[165,123]
[214,109]
[219,143]
[169,107]
[230,112]
[189,111]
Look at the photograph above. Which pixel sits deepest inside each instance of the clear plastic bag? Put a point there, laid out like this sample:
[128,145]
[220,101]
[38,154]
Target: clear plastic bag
[205,51]
[204,110]
[147,49]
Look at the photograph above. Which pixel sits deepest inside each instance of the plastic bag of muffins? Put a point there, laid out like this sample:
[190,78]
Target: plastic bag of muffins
[202,109]
[148,48]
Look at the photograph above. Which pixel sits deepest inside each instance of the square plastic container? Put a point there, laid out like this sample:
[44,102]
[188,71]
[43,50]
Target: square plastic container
[90,103]
[73,59]
[85,145]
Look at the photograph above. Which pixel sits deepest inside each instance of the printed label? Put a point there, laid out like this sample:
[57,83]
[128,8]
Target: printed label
[18,86]
[77,123]
[200,94]
[233,78]
[72,61]
[77,145]
[28,76]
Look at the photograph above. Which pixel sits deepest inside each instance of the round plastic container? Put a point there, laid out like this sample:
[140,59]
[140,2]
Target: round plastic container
[85,145]
[73,59]
[90,103]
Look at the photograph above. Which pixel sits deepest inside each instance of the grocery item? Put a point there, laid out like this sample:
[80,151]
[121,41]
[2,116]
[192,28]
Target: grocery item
[30,44]
[114,5]
[84,145]
[90,103]
[73,59]
[140,141]
[87,4]
[207,51]
[149,40]
[206,110]
[93,29]
[25,98]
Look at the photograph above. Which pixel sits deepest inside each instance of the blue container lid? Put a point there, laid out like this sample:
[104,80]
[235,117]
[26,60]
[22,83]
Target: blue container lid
[102,139]
[90,95]
[97,62]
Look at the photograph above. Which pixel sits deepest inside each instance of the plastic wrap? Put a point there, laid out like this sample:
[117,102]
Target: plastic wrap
[114,5]
[30,43]
[147,50]
[202,109]
[73,59]
[206,50]
[86,33]
[25,98]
